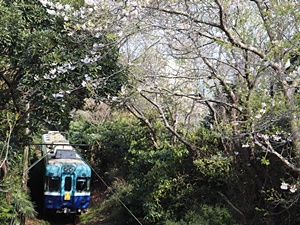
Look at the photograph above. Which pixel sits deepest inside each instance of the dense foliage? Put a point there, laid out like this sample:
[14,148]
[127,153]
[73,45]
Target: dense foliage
[170,186]
[202,127]
[49,65]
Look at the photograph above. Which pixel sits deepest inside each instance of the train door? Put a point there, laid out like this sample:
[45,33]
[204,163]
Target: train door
[67,191]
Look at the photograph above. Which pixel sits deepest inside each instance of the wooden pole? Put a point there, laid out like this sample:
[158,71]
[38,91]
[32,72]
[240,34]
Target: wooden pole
[25,161]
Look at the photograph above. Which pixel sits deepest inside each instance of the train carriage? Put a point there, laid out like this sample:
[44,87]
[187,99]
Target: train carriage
[67,176]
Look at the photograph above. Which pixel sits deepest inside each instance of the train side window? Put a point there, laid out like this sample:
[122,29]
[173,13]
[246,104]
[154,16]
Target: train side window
[53,183]
[82,184]
[68,183]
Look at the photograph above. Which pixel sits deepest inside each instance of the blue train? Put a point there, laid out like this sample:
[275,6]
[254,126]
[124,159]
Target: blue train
[67,177]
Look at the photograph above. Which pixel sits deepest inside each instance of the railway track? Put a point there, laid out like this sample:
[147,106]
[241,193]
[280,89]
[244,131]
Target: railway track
[72,220]
[56,220]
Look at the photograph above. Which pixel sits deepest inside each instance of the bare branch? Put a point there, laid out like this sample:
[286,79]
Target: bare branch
[233,207]
[138,114]
[167,125]
[7,142]
[183,14]
[262,7]
[268,148]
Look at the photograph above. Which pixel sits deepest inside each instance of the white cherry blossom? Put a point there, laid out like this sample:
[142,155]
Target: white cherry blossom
[284,186]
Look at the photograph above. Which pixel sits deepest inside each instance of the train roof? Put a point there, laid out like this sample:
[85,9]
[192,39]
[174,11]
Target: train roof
[75,161]
[58,147]
[54,137]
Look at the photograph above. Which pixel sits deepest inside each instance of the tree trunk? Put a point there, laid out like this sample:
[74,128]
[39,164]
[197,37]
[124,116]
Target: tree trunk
[25,163]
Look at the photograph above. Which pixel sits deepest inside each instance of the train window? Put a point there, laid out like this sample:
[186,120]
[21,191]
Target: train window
[53,183]
[68,183]
[65,154]
[82,184]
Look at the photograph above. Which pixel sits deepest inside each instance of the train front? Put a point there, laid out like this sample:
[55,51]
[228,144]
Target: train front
[67,184]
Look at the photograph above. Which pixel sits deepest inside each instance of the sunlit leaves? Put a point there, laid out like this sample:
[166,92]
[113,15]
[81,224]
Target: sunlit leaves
[215,167]
[53,58]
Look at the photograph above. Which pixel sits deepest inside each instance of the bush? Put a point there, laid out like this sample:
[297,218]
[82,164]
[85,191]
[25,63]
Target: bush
[206,215]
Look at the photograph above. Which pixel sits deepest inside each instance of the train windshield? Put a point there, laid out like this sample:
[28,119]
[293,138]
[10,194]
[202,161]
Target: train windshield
[53,183]
[82,184]
[68,183]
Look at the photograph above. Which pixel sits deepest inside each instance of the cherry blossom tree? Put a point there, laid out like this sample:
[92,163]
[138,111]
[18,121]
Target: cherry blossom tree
[53,60]
[234,61]
[233,65]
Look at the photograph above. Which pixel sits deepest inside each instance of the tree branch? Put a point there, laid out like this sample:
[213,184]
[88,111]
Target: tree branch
[268,148]
[167,125]
[233,207]
[138,114]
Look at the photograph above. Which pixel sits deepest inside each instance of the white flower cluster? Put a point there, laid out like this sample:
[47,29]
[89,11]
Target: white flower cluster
[92,2]
[263,136]
[286,186]
[278,136]
[96,15]
[59,69]
[246,145]
[67,11]
[54,8]
[87,79]
[92,83]
[94,56]
[90,59]
[262,111]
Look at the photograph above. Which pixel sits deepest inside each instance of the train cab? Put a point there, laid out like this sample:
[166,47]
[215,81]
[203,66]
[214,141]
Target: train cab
[66,182]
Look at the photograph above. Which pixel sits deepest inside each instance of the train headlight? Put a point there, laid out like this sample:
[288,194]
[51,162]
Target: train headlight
[68,169]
